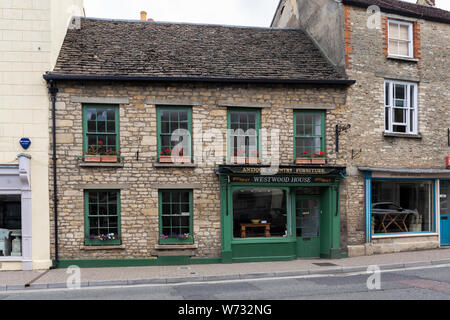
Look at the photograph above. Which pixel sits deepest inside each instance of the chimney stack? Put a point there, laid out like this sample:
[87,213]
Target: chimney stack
[143,16]
[430,3]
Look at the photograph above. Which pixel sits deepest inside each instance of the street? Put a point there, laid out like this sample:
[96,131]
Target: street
[425,283]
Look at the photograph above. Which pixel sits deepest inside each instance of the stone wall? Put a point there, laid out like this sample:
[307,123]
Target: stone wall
[370,68]
[138,179]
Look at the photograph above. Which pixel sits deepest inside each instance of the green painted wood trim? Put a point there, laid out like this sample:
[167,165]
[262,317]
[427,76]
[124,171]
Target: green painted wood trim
[159,108]
[85,130]
[96,242]
[191,216]
[258,127]
[323,128]
[111,263]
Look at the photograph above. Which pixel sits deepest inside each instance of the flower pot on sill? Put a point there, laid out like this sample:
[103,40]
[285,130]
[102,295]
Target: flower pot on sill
[303,161]
[311,161]
[92,158]
[246,161]
[109,158]
[318,161]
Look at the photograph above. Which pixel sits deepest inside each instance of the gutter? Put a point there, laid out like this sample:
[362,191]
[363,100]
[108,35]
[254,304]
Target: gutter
[67,77]
[53,90]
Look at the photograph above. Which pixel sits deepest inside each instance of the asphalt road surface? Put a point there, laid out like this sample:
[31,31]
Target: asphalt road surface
[427,283]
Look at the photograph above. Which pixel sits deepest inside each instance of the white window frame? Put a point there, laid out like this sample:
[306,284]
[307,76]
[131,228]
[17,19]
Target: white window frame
[410,38]
[411,107]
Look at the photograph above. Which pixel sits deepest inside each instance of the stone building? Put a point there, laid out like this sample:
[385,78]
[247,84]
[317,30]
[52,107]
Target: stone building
[184,143]
[398,182]
[31,34]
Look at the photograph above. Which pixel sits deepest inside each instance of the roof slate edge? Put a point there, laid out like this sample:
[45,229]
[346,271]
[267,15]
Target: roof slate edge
[69,77]
[398,11]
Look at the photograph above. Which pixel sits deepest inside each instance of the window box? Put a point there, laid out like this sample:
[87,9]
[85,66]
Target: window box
[109,158]
[170,159]
[92,158]
[98,242]
[310,161]
[243,160]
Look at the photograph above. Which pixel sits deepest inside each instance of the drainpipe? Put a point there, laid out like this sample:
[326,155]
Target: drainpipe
[53,91]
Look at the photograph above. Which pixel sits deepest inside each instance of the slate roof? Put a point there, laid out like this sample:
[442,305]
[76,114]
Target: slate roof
[405,8]
[164,50]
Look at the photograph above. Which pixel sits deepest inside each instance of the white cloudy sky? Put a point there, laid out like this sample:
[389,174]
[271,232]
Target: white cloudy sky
[230,12]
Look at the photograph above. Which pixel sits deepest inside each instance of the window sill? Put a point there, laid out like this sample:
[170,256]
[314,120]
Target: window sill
[403,58]
[402,135]
[405,235]
[110,247]
[175,246]
[101,164]
[174,165]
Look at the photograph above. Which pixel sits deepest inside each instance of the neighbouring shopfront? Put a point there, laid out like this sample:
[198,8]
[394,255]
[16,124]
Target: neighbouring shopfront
[291,214]
[405,204]
[15,213]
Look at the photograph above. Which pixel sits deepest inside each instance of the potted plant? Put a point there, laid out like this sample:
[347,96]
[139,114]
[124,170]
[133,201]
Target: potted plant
[177,155]
[110,156]
[241,157]
[176,238]
[92,154]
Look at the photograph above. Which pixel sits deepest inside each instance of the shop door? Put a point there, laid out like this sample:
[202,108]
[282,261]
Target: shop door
[445,213]
[307,218]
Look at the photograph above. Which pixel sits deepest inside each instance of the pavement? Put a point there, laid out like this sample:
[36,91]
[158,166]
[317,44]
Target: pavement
[123,276]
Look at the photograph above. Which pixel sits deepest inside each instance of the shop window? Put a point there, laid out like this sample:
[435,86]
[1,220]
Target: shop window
[175,216]
[101,133]
[243,136]
[309,133]
[259,212]
[401,107]
[102,217]
[10,225]
[402,206]
[174,126]
[401,39]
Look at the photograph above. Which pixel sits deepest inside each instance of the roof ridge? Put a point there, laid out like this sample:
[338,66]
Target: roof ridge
[185,23]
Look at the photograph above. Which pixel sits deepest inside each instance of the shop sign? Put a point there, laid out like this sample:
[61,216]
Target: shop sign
[281,179]
[281,170]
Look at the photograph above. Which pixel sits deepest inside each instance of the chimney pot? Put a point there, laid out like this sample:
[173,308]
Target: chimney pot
[143,15]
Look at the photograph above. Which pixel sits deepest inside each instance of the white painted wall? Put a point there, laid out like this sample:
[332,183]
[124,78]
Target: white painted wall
[31,34]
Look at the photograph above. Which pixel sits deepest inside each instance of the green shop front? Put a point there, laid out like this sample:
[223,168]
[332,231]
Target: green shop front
[291,214]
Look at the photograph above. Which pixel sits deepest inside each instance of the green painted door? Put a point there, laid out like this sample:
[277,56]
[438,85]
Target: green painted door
[307,225]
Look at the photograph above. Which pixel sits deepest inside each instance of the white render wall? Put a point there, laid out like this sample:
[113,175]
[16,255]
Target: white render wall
[31,34]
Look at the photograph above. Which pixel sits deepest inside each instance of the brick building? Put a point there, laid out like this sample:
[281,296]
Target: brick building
[130,191]
[399,110]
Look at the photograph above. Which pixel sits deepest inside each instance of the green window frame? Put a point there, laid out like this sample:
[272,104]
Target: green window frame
[309,132]
[102,217]
[245,119]
[175,216]
[170,119]
[101,124]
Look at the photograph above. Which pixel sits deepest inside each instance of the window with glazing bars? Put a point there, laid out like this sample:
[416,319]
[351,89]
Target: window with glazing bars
[243,139]
[401,38]
[175,216]
[101,129]
[174,120]
[309,132]
[102,217]
[400,107]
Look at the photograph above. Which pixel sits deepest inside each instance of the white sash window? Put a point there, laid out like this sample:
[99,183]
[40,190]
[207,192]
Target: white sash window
[401,107]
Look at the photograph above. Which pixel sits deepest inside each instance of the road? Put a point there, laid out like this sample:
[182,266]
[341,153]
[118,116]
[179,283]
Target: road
[426,283]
